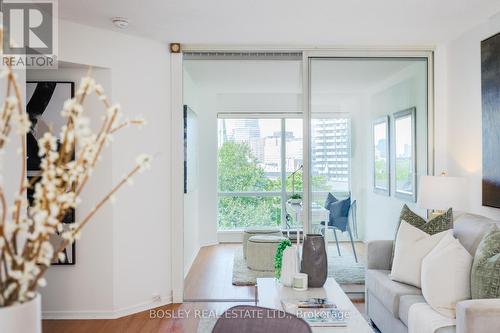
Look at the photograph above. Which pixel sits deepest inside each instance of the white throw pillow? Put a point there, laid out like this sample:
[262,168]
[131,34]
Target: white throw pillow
[446,276]
[412,245]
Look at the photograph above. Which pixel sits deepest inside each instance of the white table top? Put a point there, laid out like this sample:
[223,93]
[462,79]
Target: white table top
[317,212]
[270,293]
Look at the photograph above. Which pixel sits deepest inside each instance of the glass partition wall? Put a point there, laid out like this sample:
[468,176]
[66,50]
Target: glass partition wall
[349,159]
[333,145]
[248,109]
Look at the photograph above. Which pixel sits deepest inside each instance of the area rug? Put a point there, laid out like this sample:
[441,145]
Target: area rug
[343,268]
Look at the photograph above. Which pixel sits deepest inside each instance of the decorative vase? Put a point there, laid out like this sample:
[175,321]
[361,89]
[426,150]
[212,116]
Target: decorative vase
[22,318]
[314,260]
[289,265]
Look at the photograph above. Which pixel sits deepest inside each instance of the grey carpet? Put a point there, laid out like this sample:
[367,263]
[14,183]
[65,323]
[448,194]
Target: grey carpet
[344,269]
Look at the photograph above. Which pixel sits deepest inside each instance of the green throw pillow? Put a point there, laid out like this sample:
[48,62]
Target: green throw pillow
[485,273]
[435,225]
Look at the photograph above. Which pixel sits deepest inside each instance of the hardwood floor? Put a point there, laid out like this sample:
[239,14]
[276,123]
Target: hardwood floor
[209,279]
[186,320]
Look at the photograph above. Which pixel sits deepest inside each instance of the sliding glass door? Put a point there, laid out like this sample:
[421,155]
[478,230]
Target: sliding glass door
[331,141]
[347,96]
[247,108]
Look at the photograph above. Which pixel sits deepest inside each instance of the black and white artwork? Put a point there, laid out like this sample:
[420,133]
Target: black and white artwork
[190,150]
[490,77]
[45,101]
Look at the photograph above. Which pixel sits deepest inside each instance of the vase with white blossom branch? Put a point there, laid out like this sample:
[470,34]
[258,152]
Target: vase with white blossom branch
[65,169]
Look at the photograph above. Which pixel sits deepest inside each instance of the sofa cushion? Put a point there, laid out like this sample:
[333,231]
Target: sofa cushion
[485,275]
[412,245]
[470,229]
[329,200]
[446,276]
[388,292]
[435,225]
[405,302]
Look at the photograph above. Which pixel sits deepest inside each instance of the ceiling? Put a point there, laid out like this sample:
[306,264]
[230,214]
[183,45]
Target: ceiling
[287,22]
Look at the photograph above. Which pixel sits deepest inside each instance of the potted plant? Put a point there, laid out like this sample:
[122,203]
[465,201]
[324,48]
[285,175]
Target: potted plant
[66,166]
[295,199]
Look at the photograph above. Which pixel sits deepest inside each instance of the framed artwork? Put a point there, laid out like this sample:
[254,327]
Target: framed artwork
[45,100]
[190,150]
[381,156]
[490,89]
[404,148]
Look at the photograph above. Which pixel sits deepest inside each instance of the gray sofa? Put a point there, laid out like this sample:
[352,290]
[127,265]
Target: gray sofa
[388,302]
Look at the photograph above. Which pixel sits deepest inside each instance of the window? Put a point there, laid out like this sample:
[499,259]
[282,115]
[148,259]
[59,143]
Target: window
[255,160]
[330,155]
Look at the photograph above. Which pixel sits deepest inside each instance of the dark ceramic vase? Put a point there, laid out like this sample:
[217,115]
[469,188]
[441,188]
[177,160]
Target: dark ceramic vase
[314,260]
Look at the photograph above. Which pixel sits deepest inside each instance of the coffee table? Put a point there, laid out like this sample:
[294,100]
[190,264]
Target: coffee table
[270,293]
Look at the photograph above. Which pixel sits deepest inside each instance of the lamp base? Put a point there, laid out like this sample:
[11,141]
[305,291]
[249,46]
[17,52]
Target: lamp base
[436,213]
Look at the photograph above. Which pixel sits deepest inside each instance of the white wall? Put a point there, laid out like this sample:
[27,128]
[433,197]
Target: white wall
[192,222]
[459,112]
[207,191]
[129,257]
[94,251]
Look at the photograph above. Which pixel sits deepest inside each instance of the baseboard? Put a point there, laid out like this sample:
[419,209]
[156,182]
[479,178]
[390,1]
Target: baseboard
[51,315]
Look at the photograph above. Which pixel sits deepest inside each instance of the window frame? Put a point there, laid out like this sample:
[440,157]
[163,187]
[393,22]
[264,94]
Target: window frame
[283,193]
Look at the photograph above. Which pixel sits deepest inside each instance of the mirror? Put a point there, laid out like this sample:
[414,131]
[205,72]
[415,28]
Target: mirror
[404,150]
[381,167]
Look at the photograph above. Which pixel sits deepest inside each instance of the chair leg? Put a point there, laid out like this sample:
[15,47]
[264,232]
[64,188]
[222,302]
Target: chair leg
[336,241]
[352,243]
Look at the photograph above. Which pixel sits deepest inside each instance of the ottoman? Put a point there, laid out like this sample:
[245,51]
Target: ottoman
[261,250]
[249,232]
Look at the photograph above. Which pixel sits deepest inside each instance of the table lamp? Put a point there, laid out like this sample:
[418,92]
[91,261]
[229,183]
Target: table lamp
[439,193]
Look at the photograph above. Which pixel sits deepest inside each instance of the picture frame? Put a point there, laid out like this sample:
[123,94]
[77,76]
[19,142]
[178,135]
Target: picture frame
[381,156]
[404,152]
[490,85]
[44,102]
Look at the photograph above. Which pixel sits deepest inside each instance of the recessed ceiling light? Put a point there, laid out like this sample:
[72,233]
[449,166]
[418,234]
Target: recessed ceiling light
[120,22]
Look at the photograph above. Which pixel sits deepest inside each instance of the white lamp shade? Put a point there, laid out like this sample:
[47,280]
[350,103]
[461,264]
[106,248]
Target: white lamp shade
[442,192]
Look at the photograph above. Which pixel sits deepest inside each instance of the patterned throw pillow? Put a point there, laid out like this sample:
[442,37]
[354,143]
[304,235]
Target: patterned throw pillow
[435,225]
[485,273]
